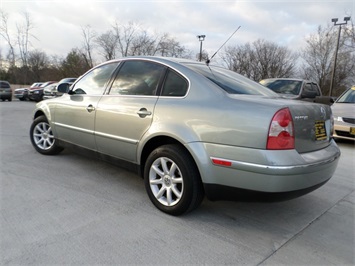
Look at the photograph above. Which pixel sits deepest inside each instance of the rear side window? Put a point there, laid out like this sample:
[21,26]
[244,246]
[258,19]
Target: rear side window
[315,89]
[175,85]
[311,88]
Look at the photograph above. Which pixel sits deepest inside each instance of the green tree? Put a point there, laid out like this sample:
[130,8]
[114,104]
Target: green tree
[74,65]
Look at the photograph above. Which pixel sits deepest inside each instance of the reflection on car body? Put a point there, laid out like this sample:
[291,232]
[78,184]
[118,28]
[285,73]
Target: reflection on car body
[191,130]
[51,91]
[36,93]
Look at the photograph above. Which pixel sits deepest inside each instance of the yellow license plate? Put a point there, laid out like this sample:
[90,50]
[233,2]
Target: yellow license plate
[321,133]
[352,130]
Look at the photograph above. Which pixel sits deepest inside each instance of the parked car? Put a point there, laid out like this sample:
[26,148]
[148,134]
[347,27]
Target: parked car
[190,130]
[51,92]
[48,90]
[344,115]
[36,93]
[297,89]
[22,93]
[5,91]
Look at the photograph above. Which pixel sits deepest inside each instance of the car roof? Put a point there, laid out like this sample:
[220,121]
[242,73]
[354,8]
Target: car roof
[156,59]
[295,79]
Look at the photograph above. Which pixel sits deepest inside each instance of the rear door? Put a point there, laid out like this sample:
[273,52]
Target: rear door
[76,111]
[126,113]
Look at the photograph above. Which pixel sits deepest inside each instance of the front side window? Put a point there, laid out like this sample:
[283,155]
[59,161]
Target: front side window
[94,82]
[137,78]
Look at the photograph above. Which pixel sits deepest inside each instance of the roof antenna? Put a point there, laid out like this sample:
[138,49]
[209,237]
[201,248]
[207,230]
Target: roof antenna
[209,60]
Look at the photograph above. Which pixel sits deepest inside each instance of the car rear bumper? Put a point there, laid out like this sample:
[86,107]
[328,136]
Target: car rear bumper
[266,171]
[20,96]
[35,97]
[5,95]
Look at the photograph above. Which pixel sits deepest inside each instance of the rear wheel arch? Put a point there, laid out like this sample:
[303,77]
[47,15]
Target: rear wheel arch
[171,176]
[151,145]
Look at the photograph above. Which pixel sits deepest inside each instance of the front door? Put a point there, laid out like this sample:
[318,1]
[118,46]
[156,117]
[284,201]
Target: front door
[75,115]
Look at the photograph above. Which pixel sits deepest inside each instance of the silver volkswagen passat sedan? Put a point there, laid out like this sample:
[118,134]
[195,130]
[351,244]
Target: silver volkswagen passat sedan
[190,129]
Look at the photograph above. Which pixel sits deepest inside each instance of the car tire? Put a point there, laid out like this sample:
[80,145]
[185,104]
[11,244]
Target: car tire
[42,137]
[172,180]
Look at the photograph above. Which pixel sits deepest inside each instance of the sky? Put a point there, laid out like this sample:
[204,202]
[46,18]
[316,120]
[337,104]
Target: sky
[57,24]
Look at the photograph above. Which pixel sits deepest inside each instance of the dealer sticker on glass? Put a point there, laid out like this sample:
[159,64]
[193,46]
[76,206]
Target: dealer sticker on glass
[321,133]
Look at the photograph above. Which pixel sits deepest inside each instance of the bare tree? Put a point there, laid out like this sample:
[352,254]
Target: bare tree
[168,46]
[107,43]
[261,59]
[125,35]
[240,59]
[37,62]
[349,33]
[23,37]
[89,36]
[4,32]
[143,44]
[318,57]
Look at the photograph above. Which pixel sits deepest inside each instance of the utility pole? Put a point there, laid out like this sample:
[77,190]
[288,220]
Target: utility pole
[334,20]
[201,38]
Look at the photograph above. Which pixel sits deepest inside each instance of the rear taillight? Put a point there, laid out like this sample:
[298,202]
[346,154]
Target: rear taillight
[281,131]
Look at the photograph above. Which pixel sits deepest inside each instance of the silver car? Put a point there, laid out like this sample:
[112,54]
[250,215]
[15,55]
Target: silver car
[344,115]
[190,130]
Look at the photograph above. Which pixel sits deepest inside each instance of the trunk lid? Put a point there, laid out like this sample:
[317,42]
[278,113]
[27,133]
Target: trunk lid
[312,125]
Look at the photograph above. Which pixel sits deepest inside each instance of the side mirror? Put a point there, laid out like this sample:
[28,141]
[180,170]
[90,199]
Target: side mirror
[63,87]
[308,94]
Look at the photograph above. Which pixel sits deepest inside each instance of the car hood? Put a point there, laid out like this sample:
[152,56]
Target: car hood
[344,109]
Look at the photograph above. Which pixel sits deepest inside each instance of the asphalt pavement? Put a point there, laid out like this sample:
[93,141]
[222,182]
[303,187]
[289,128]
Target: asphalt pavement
[73,210]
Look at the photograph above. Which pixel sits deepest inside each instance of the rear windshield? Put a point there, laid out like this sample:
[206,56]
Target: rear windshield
[4,85]
[230,81]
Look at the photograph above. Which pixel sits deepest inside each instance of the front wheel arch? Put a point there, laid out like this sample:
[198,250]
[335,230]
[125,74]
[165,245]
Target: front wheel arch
[42,137]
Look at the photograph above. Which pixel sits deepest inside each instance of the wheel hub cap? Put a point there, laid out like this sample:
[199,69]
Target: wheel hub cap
[167,180]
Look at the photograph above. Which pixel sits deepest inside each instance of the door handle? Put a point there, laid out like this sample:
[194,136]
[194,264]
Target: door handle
[90,108]
[143,112]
